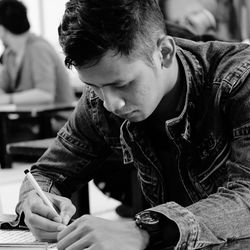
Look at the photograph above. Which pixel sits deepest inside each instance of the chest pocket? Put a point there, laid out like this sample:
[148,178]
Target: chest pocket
[209,170]
[149,183]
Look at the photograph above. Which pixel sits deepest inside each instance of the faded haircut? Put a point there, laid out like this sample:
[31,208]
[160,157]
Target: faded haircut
[91,28]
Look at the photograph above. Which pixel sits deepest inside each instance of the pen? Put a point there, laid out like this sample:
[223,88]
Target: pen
[39,190]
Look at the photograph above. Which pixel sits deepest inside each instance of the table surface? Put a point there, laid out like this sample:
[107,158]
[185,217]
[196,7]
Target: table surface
[36,109]
[42,115]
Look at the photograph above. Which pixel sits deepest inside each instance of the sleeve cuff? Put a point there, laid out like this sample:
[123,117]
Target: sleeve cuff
[186,223]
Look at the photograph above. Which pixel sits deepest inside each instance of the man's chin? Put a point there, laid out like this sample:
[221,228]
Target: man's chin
[137,118]
[134,116]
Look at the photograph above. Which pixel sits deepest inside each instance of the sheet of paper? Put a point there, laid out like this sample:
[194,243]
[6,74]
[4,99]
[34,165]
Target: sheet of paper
[19,237]
[16,236]
[16,246]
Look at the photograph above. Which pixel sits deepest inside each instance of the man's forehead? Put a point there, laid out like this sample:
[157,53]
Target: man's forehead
[109,71]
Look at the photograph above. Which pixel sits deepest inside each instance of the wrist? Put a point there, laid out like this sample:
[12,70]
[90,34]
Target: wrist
[10,98]
[149,221]
[144,236]
[162,232]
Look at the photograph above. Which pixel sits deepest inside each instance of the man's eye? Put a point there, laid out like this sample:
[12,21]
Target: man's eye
[120,86]
[94,87]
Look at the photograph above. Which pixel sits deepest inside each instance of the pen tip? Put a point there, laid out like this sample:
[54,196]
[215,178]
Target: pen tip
[26,171]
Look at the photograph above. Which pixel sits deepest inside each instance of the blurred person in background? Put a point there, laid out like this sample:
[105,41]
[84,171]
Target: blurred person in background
[196,18]
[32,72]
[223,19]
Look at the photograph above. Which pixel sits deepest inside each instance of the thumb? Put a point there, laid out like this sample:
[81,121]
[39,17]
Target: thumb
[67,210]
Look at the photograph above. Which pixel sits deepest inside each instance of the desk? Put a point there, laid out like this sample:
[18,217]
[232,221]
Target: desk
[42,113]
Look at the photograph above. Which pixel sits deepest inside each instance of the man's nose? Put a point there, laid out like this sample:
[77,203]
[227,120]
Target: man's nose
[112,100]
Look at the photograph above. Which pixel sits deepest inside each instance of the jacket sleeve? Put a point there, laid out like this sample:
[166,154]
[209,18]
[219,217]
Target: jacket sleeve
[223,215]
[72,159]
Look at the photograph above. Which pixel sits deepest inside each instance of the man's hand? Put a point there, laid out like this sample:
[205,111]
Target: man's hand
[41,220]
[88,232]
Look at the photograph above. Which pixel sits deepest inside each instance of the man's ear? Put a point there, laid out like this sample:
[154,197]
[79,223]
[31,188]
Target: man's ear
[167,48]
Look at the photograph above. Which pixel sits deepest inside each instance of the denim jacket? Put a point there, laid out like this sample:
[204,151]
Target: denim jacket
[211,137]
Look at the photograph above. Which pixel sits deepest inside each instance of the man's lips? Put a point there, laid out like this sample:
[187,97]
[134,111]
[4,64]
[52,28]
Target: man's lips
[125,115]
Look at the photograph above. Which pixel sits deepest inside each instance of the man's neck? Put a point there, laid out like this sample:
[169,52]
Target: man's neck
[169,103]
[18,43]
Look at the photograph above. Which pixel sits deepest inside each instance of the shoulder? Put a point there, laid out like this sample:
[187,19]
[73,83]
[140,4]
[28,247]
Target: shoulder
[212,48]
[234,67]
[38,45]
[218,59]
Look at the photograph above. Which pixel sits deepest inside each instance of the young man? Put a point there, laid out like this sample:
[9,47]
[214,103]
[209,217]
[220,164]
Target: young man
[177,109]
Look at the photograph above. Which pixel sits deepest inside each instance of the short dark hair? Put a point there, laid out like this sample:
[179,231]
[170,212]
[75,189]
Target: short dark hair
[13,16]
[90,28]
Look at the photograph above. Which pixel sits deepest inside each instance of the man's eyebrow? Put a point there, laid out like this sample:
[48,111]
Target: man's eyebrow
[90,84]
[104,84]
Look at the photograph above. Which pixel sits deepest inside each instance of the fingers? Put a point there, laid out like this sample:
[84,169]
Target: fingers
[80,244]
[42,228]
[67,209]
[74,232]
[41,235]
[45,224]
[64,206]
[66,232]
[74,241]
[45,211]
[40,219]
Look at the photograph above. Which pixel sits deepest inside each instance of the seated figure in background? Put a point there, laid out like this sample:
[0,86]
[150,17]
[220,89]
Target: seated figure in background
[224,19]
[32,71]
[198,19]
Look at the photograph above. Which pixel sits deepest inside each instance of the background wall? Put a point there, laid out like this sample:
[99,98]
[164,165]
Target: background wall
[45,16]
